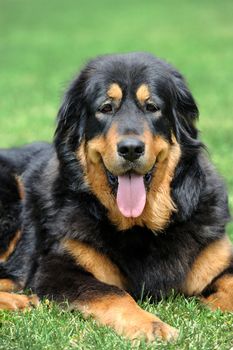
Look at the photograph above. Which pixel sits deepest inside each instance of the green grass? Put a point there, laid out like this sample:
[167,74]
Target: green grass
[42,45]
[49,328]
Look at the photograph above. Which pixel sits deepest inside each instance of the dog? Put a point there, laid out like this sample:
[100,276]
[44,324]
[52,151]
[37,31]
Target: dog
[123,204]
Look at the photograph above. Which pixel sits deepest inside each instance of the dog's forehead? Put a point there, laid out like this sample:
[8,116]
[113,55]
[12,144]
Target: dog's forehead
[119,74]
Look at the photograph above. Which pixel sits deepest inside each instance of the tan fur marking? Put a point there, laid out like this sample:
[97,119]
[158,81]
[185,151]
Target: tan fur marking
[124,315]
[210,262]
[4,257]
[7,285]
[81,156]
[95,262]
[223,298]
[10,301]
[104,147]
[115,92]
[159,205]
[20,187]
[143,93]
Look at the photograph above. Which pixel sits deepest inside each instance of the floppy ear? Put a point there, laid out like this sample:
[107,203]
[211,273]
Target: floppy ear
[187,186]
[189,177]
[185,113]
[71,117]
[71,120]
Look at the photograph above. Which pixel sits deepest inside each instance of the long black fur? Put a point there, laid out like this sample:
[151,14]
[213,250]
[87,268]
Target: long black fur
[59,204]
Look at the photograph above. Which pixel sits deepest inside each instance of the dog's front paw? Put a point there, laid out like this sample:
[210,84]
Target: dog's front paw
[164,331]
[124,315]
[149,327]
[11,301]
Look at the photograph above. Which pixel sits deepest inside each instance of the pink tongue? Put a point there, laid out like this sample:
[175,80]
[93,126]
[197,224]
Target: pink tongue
[131,195]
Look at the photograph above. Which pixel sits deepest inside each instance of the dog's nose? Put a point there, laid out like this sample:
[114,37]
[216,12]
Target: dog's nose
[131,149]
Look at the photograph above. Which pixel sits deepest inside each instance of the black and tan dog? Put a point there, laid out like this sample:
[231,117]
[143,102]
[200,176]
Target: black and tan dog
[124,203]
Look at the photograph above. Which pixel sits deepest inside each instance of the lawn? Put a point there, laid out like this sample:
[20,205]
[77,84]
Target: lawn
[42,46]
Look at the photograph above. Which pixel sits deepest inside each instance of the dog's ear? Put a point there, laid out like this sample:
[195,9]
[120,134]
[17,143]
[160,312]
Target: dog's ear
[71,116]
[185,112]
[187,186]
[189,177]
[70,132]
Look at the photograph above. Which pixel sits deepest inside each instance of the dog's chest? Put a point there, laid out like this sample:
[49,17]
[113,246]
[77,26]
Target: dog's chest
[151,266]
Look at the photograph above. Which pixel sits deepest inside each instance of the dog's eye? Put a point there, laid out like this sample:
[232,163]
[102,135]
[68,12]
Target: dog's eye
[106,108]
[151,107]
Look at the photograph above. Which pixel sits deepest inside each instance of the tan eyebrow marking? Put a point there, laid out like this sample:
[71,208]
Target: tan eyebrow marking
[115,92]
[143,93]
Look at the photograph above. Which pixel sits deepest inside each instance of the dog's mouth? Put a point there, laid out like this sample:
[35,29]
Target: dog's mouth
[130,189]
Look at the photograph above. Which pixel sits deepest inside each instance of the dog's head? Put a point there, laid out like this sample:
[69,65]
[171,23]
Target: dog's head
[125,120]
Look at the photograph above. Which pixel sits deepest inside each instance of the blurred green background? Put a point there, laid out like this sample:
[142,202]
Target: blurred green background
[43,44]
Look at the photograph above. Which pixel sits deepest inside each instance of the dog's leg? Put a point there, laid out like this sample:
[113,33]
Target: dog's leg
[60,279]
[8,285]
[211,275]
[11,301]
[219,294]
[123,314]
